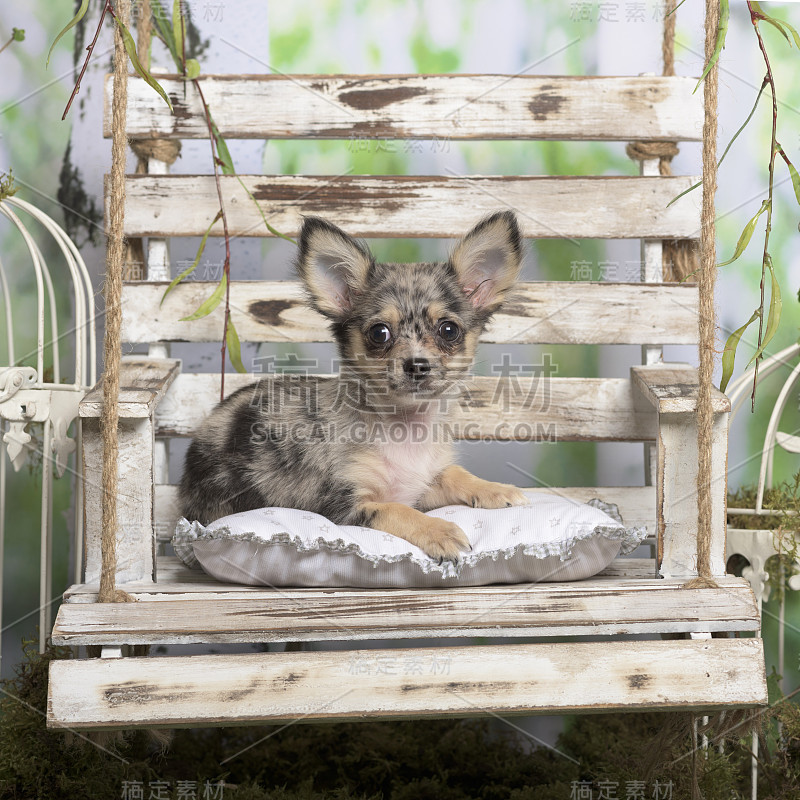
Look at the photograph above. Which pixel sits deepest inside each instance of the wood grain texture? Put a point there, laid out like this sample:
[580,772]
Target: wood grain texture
[175,581]
[546,312]
[387,684]
[672,388]
[418,106]
[407,206]
[491,409]
[570,609]
[143,382]
[636,504]
[676,494]
[135,535]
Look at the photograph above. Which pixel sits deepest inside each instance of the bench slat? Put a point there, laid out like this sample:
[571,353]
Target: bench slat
[388,684]
[547,312]
[293,615]
[413,206]
[637,504]
[519,409]
[177,582]
[419,106]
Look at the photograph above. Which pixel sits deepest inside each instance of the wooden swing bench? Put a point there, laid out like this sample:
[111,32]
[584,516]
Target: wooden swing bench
[631,638]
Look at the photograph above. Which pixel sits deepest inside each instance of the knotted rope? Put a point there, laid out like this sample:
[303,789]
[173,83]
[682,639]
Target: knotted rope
[679,256]
[166,150]
[112,345]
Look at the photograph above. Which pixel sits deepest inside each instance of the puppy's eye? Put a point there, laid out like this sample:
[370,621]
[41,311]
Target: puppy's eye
[379,334]
[449,331]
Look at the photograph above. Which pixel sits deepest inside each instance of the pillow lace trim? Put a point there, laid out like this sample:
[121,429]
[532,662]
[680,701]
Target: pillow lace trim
[187,533]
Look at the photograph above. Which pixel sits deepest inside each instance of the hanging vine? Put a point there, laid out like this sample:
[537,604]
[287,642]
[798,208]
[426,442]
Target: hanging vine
[172,31]
[766,328]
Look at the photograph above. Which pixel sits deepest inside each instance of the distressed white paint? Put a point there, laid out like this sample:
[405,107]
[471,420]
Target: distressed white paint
[677,494]
[176,581]
[545,312]
[464,681]
[135,539]
[576,609]
[526,408]
[636,504]
[143,382]
[405,206]
[419,106]
[672,388]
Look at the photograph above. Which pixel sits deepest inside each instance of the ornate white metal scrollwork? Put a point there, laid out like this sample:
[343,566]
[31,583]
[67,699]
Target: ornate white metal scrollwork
[12,379]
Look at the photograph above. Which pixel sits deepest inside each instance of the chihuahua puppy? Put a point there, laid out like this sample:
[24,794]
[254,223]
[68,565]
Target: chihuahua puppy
[370,448]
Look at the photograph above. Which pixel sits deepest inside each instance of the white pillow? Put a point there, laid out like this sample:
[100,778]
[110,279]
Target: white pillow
[552,539]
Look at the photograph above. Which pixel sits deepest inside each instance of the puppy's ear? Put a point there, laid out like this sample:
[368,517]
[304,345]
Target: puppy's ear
[333,266]
[487,261]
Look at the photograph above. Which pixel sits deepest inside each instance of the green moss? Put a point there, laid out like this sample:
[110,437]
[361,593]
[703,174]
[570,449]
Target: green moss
[784,498]
[7,186]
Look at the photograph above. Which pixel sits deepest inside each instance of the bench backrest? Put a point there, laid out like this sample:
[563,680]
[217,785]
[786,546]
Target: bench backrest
[438,107]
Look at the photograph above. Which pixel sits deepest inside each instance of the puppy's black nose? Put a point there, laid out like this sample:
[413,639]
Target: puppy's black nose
[417,368]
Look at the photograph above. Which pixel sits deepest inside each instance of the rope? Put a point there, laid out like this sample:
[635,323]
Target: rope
[679,256]
[144,33]
[706,279]
[668,40]
[642,151]
[112,349]
[166,150]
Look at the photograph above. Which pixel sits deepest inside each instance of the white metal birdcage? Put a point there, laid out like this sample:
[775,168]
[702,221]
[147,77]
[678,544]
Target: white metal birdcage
[30,396]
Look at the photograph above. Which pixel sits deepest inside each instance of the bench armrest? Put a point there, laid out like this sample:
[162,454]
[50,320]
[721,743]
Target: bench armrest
[671,390]
[142,383]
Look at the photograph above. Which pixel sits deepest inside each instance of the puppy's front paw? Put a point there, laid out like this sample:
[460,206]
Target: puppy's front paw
[441,539]
[487,494]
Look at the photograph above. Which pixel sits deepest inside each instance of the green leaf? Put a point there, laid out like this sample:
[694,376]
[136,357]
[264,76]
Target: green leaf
[676,7]
[179,30]
[764,85]
[729,353]
[776,23]
[775,308]
[234,347]
[223,154]
[192,68]
[18,35]
[730,143]
[795,180]
[724,14]
[794,33]
[208,305]
[130,48]
[685,191]
[73,22]
[272,230]
[189,270]
[746,235]
[164,32]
